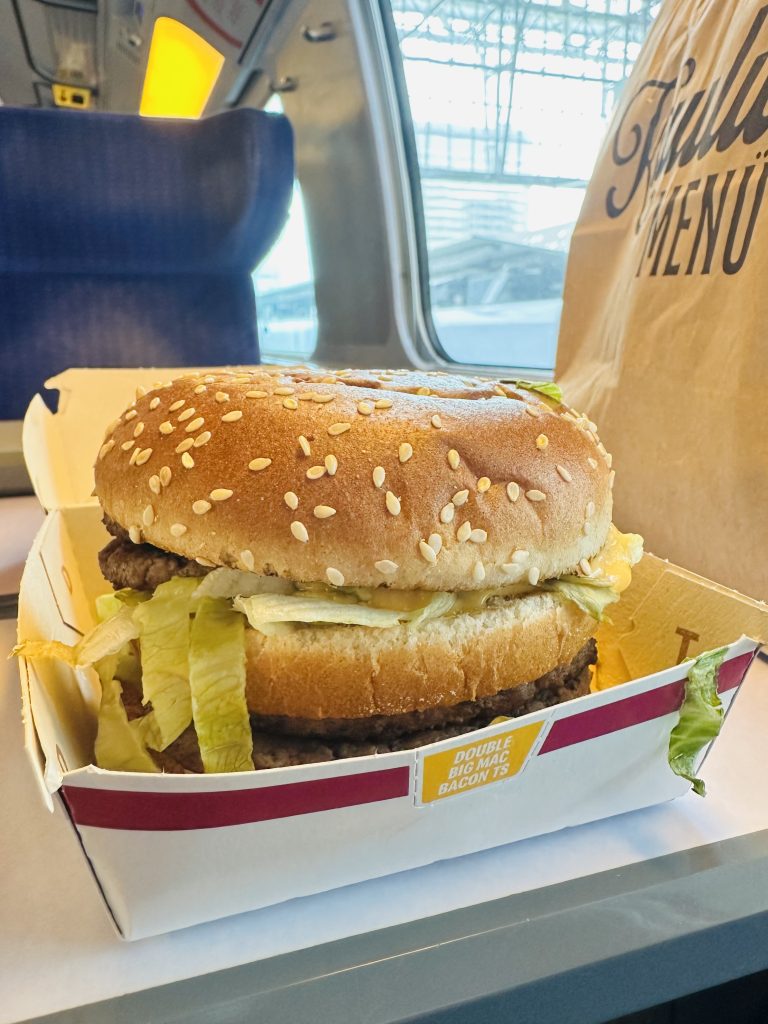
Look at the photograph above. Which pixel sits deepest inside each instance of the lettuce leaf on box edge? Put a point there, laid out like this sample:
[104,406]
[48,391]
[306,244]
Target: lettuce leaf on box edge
[701,717]
[217,684]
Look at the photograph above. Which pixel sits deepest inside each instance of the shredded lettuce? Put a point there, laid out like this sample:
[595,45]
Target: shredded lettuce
[592,596]
[233,583]
[701,717]
[217,683]
[118,748]
[106,638]
[163,623]
[544,387]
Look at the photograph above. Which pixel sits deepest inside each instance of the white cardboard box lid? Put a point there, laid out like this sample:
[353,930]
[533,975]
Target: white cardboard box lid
[60,448]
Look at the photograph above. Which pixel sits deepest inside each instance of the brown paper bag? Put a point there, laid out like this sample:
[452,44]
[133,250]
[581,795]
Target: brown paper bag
[664,337]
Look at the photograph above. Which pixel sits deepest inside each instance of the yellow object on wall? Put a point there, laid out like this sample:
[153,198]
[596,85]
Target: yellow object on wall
[181,71]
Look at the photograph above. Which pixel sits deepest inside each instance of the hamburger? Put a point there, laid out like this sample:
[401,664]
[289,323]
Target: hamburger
[310,565]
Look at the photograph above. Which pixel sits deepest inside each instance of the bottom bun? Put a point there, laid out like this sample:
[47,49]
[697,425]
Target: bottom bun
[355,672]
[385,734]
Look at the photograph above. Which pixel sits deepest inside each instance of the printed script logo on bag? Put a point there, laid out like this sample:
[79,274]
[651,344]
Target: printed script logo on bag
[707,220]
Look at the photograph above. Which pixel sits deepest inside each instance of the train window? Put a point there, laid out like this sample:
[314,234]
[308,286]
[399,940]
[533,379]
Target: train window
[509,103]
[285,289]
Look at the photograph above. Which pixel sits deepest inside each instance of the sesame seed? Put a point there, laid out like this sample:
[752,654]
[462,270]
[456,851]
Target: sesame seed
[436,421]
[205,561]
[304,445]
[324,511]
[601,449]
[608,459]
[315,472]
[483,484]
[535,495]
[201,507]
[134,534]
[327,380]
[148,516]
[338,428]
[587,527]
[592,462]
[127,445]
[134,455]
[285,391]
[454,459]
[385,566]
[611,477]
[513,491]
[130,414]
[520,556]
[423,391]
[194,424]
[209,379]
[585,567]
[323,399]
[290,403]
[176,405]
[478,536]
[478,573]
[435,541]
[331,464]
[185,445]
[512,570]
[427,553]
[378,476]
[140,392]
[221,396]
[364,408]
[299,531]
[246,557]
[231,417]
[447,512]
[564,474]
[166,428]
[178,529]
[202,439]
[460,498]
[143,456]
[255,394]
[533,575]
[220,494]
[187,414]
[393,504]
[154,484]
[106,447]
[138,430]
[258,464]
[187,461]
[405,451]
[464,531]
[383,403]
[334,576]
[306,396]
[533,410]
[198,390]
[291,500]
[542,441]
[590,509]
[154,403]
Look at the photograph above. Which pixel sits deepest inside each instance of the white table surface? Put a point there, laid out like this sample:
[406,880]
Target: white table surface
[58,948]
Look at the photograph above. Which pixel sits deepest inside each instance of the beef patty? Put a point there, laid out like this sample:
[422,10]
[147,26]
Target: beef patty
[280,742]
[141,566]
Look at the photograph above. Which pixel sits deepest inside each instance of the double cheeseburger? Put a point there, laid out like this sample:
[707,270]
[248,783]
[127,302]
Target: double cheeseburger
[313,565]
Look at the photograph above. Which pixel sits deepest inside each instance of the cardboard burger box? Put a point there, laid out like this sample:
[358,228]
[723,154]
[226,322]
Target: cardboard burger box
[152,840]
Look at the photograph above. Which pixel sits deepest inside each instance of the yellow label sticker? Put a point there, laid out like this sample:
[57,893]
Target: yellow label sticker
[477,764]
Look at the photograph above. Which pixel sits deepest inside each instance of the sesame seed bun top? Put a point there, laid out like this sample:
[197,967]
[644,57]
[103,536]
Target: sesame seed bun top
[359,477]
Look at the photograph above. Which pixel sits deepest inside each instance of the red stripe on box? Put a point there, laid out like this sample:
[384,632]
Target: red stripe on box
[642,707]
[172,812]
